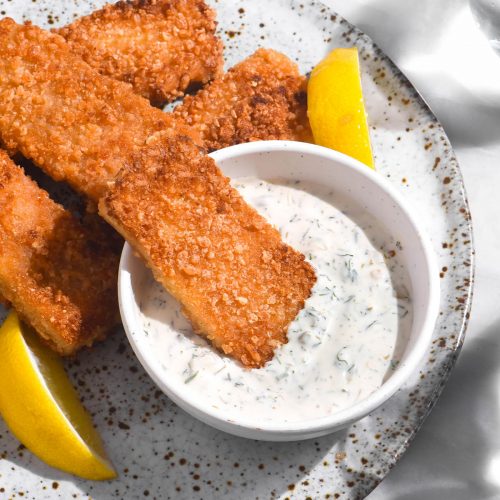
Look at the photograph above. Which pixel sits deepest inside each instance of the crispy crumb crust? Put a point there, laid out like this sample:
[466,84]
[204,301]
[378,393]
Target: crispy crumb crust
[261,98]
[59,275]
[75,124]
[239,284]
[160,47]
[81,127]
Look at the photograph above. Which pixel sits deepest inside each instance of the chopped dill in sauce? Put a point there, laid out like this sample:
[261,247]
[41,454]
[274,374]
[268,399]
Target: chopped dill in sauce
[345,342]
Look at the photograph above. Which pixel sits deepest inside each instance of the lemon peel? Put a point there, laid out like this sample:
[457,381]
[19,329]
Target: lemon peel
[335,105]
[41,407]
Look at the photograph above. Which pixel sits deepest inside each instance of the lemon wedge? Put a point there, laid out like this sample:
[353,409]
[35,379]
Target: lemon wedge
[335,105]
[41,407]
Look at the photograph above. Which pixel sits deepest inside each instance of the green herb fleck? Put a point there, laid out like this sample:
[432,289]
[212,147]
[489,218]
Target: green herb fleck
[191,377]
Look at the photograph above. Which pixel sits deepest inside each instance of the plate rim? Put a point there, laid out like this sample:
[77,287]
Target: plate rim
[465,316]
[448,364]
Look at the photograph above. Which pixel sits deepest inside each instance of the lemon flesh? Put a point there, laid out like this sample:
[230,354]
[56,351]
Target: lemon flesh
[335,105]
[41,407]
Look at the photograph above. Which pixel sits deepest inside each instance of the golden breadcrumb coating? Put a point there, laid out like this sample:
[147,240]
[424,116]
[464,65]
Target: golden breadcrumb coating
[75,124]
[261,98]
[239,284]
[160,47]
[58,275]
[82,127]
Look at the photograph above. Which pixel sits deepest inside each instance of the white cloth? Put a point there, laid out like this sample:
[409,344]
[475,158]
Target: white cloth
[441,49]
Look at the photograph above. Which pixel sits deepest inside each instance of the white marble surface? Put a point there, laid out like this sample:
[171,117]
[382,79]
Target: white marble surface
[441,49]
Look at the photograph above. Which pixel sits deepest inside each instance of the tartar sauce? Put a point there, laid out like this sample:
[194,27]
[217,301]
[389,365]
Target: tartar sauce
[341,347]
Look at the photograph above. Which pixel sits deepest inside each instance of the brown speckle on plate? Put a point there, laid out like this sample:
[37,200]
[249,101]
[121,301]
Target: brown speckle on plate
[149,430]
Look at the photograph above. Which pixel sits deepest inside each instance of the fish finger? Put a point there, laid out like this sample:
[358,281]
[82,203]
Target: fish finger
[261,98]
[238,283]
[160,47]
[59,275]
[73,123]
[81,127]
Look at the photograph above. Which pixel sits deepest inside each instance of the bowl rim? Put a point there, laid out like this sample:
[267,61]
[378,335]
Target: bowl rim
[337,419]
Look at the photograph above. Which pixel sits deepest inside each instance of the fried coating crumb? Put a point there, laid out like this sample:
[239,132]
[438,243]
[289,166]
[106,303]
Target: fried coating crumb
[75,124]
[239,284]
[261,98]
[160,47]
[57,274]
[82,127]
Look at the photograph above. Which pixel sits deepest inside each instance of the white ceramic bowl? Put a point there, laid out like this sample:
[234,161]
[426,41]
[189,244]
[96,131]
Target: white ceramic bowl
[348,177]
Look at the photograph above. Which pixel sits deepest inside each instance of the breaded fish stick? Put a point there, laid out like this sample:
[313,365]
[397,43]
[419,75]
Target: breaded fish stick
[261,98]
[239,284]
[81,127]
[59,276]
[159,46]
[75,124]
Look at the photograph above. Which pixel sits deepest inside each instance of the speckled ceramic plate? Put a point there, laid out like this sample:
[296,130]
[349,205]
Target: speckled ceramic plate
[160,451]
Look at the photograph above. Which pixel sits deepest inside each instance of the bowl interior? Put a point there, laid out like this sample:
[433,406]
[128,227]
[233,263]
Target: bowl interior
[348,178]
[371,193]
